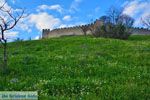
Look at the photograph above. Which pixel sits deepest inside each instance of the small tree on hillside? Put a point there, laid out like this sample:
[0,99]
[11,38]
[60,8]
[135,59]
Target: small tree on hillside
[8,20]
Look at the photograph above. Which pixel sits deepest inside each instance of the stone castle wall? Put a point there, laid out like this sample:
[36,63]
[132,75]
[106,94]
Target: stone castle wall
[137,31]
[78,30]
[70,31]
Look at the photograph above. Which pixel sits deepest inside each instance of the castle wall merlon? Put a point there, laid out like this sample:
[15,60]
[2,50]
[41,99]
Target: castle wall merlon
[78,30]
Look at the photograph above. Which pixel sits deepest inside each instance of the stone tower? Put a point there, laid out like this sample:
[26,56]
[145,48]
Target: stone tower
[45,33]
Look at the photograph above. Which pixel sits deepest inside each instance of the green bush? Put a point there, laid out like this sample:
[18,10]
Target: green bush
[112,31]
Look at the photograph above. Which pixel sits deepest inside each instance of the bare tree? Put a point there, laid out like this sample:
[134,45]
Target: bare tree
[146,21]
[116,16]
[126,20]
[85,28]
[8,20]
[113,13]
[114,24]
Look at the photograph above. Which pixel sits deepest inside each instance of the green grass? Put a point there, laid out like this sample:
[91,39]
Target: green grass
[80,68]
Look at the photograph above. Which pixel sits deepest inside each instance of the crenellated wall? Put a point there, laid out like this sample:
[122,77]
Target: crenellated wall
[137,31]
[81,30]
[45,33]
[70,31]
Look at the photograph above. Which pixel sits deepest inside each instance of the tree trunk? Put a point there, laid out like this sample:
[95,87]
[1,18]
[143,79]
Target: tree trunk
[4,43]
[5,56]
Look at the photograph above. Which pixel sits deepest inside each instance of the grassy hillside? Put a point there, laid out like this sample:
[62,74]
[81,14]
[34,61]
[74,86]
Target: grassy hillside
[81,68]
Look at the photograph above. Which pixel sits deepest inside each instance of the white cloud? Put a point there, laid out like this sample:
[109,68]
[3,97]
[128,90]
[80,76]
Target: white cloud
[44,21]
[72,25]
[137,9]
[75,5]
[10,34]
[56,7]
[37,37]
[24,26]
[67,18]
[2,2]
[7,7]
[15,13]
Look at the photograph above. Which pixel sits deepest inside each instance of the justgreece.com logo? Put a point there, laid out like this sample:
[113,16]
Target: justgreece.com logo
[14,95]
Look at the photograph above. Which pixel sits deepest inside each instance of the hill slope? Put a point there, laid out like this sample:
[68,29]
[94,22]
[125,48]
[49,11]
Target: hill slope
[81,68]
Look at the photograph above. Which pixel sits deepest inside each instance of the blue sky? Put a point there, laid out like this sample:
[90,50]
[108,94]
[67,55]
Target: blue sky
[64,13]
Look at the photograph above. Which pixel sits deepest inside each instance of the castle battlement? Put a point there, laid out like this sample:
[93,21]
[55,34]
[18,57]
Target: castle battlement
[82,29]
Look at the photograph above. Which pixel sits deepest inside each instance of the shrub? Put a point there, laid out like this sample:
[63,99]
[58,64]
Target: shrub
[118,31]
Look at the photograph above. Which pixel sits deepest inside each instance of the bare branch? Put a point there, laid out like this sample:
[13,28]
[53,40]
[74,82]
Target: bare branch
[3,21]
[3,5]
[146,21]
[7,23]
[1,27]
[14,19]
[10,21]
[10,14]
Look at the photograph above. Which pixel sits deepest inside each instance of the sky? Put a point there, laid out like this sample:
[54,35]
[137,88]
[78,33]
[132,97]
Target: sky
[51,14]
